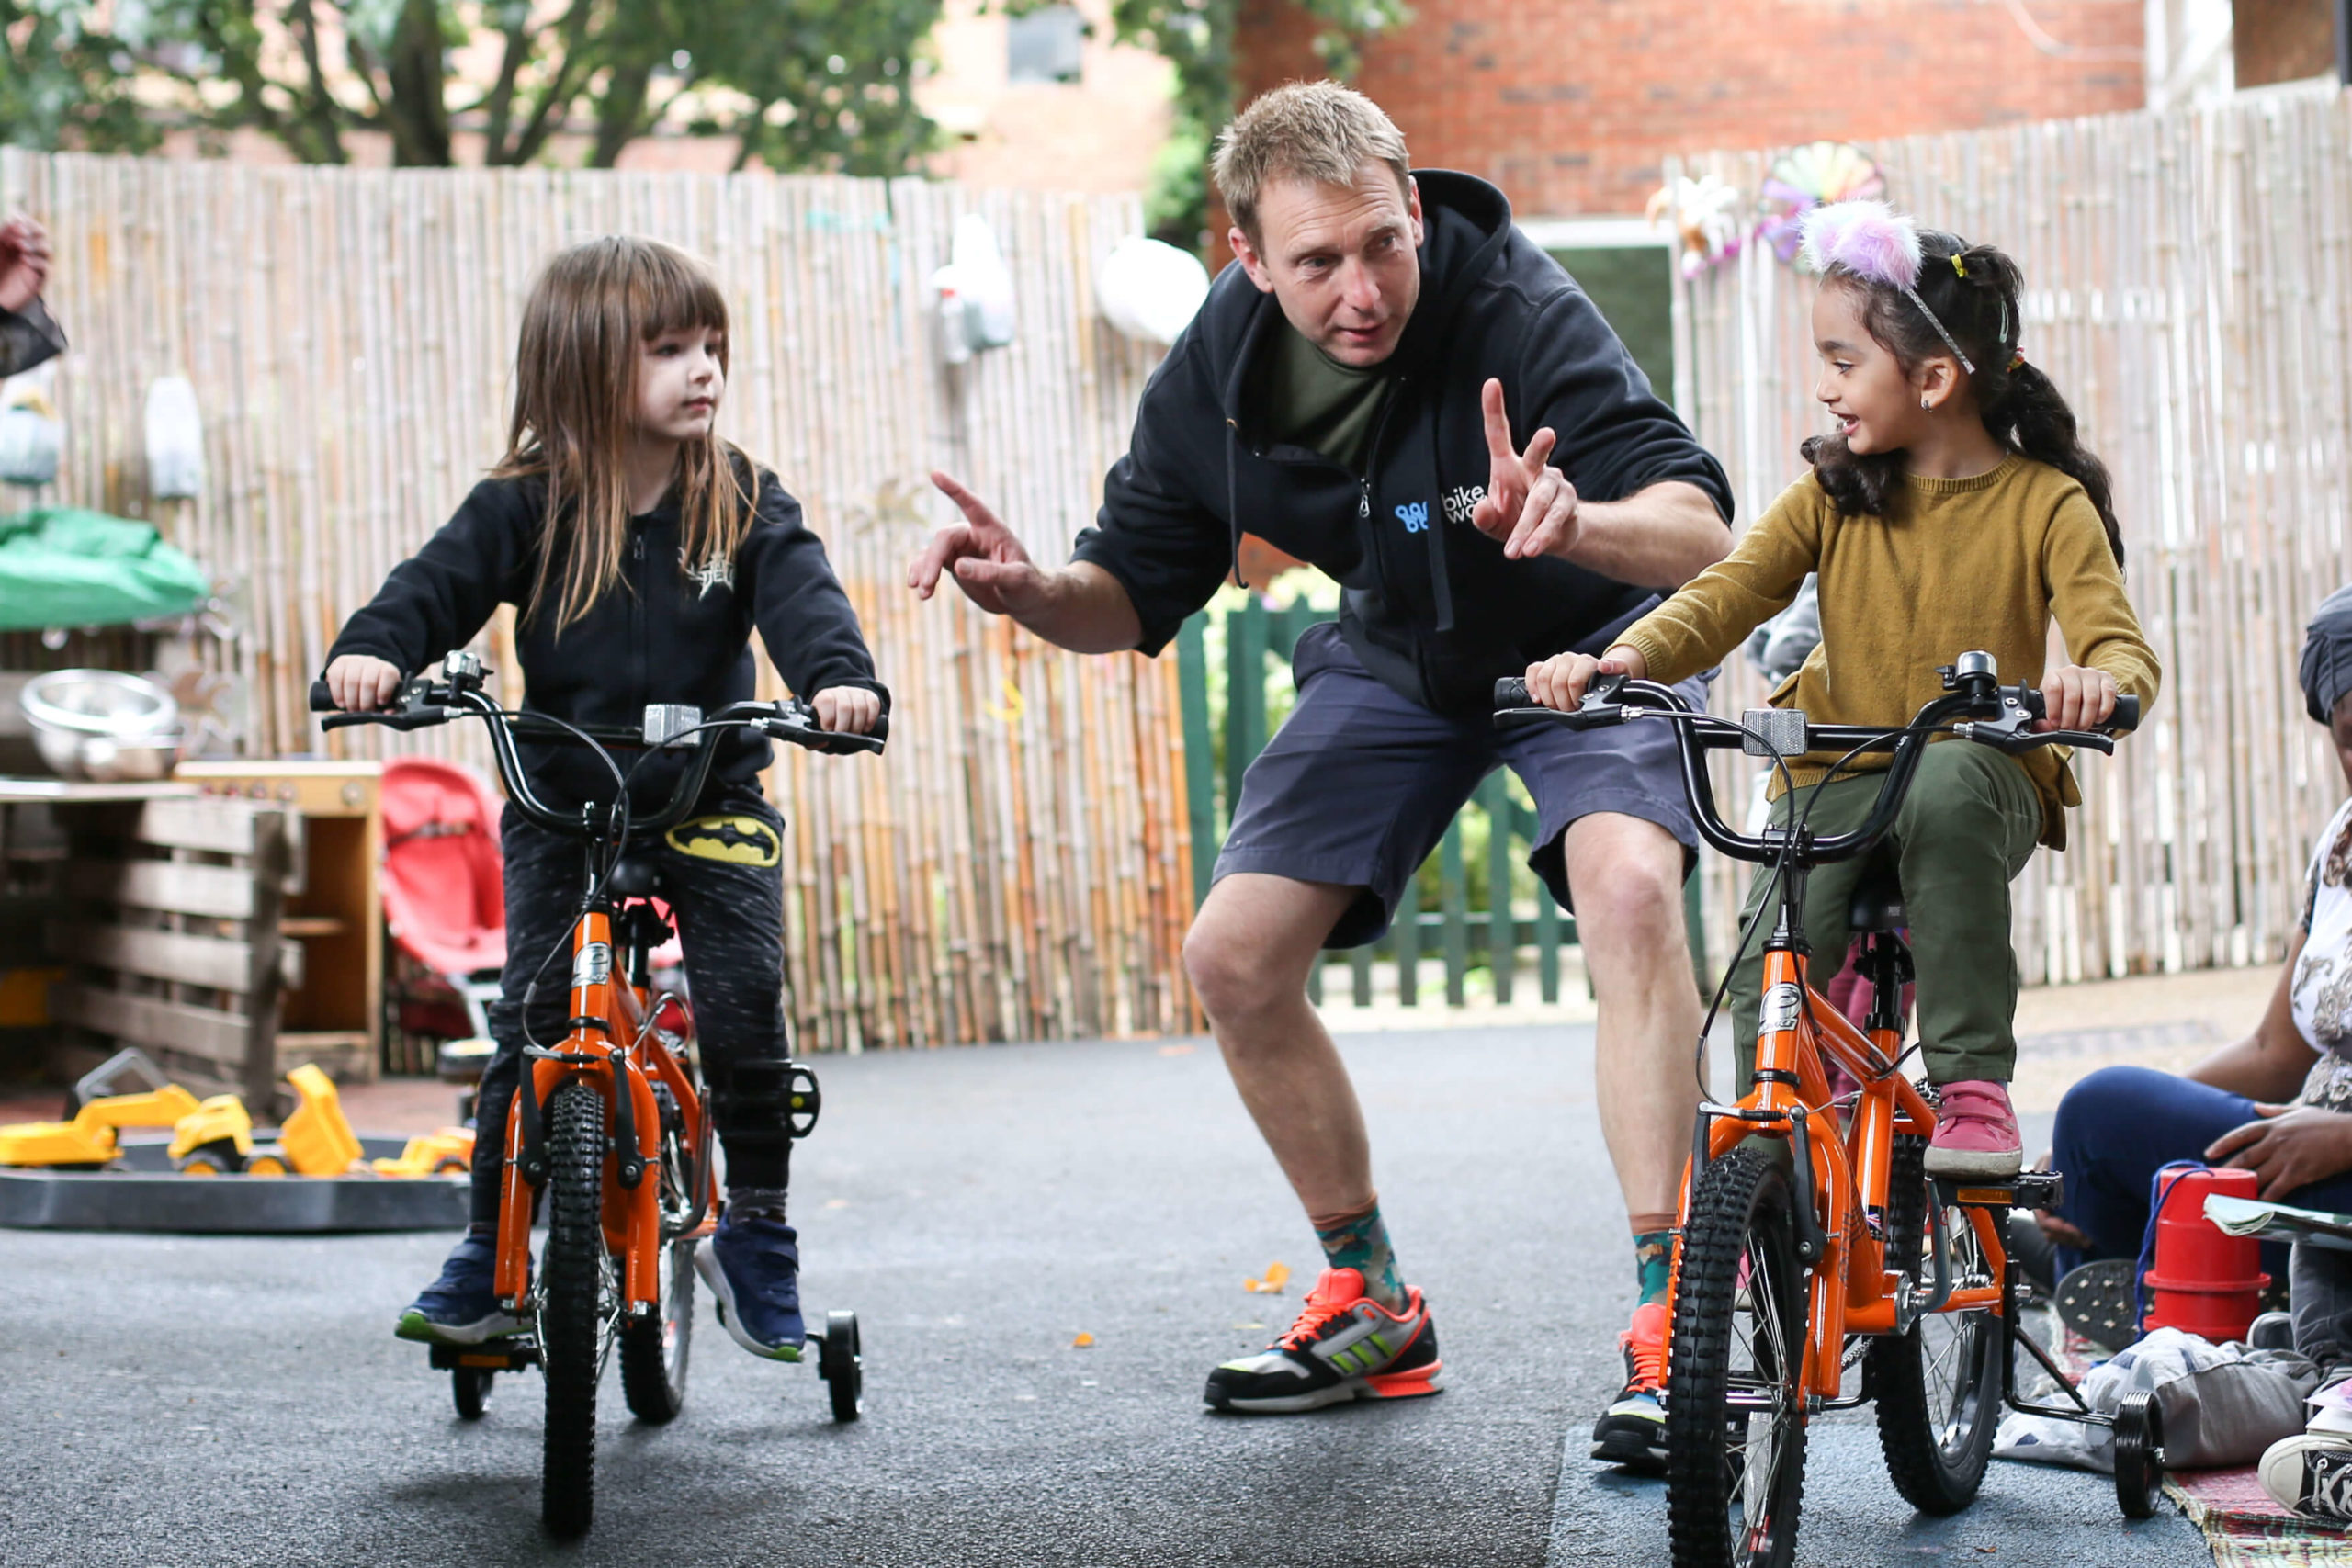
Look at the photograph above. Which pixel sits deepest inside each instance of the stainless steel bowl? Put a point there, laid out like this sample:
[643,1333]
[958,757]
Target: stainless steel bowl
[102,725]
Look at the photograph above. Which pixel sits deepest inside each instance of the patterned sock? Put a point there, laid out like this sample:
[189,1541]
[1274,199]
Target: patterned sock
[1359,1241]
[1653,1258]
[756,1203]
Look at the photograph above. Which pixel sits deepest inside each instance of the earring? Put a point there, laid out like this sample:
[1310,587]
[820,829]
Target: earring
[1925,406]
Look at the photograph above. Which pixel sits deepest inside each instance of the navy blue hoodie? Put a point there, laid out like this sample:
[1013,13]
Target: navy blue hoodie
[1428,603]
[667,633]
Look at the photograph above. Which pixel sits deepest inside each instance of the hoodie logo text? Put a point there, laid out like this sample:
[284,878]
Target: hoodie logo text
[1460,500]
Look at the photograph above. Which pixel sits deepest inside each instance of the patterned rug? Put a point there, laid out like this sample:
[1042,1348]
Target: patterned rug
[2247,1530]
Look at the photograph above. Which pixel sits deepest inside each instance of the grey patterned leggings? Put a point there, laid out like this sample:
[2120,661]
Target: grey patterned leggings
[730,922]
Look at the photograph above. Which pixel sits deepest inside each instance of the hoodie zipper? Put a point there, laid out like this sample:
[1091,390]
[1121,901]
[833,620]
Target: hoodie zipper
[636,614]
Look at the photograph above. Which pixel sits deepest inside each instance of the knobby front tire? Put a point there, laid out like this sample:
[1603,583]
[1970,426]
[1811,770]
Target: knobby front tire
[1734,1409]
[1938,1387]
[571,1312]
[653,1352]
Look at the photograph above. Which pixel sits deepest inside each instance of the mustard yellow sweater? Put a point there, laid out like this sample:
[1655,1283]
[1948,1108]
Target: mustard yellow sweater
[1983,562]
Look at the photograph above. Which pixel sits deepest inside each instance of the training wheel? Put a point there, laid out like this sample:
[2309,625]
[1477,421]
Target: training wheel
[2139,1456]
[841,1363]
[469,1386]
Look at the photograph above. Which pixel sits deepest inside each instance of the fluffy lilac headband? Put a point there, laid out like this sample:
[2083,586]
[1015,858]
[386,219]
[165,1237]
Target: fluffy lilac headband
[1877,244]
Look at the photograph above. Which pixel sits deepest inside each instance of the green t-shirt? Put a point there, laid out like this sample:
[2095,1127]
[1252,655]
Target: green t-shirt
[1313,400]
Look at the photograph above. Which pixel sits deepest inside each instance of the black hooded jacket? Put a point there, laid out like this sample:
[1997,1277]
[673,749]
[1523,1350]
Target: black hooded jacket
[667,633]
[1430,604]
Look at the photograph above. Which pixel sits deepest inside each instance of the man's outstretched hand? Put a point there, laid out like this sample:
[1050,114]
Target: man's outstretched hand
[987,562]
[1528,505]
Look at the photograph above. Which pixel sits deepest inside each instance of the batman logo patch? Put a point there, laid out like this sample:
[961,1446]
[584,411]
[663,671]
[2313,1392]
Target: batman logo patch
[745,841]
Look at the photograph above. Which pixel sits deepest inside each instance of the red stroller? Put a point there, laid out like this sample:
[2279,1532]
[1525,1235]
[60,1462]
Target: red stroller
[444,896]
[445,903]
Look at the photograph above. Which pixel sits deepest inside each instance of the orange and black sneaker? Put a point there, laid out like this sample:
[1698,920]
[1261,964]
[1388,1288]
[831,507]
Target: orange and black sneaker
[1345,1346]
[1632,1431]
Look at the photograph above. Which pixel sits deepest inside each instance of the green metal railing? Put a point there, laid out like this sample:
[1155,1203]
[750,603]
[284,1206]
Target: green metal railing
[1229,705]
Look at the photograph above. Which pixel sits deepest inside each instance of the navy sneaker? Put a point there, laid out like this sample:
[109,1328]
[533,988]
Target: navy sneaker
[460,1307]
[753,1267]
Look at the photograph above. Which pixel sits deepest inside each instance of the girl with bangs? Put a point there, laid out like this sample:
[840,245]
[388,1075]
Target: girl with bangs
[642,548]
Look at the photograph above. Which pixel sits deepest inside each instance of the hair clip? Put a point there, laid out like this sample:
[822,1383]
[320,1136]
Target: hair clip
[2016,360]
[1959,267]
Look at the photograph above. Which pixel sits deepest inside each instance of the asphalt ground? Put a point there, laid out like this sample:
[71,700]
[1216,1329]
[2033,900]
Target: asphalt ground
[187,1402]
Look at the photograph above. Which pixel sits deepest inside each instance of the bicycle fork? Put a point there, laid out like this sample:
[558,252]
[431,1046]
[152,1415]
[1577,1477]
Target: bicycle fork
[631,1216]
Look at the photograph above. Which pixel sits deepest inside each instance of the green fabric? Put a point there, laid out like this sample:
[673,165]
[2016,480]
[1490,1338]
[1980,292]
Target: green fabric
[1966,828]
[1313,400]
[64,567]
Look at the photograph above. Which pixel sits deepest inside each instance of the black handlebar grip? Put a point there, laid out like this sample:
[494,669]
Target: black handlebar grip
[321,700]
[2123,720]
[1510,692]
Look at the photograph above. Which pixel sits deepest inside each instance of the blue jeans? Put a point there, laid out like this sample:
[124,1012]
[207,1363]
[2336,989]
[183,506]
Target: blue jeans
[2119,1125]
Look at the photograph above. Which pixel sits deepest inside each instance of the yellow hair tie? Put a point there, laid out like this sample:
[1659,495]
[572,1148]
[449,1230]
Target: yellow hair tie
[1958,266]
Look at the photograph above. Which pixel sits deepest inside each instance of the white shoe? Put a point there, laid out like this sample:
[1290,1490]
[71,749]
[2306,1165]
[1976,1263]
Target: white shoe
[2311,1474]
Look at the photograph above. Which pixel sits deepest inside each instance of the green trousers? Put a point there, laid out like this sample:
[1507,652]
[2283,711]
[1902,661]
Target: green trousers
[1966,829]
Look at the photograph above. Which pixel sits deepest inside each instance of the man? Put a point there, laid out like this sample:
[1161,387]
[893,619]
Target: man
[1347,393]
[28,337]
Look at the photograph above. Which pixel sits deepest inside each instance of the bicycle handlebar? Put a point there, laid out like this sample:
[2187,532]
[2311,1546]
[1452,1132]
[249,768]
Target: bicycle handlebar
[1990,715]
[424,703]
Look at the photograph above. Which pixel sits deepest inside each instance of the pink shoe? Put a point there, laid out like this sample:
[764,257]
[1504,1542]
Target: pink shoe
[1976,1133]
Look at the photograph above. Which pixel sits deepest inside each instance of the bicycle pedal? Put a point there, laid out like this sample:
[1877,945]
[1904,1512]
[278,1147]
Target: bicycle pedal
[2027,1189]
[507,1355]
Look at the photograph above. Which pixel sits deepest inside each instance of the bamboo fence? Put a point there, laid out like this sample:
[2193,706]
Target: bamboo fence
[1018,865]
[2189,276]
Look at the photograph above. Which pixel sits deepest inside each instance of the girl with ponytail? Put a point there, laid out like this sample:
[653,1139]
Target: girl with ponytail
[1954,507]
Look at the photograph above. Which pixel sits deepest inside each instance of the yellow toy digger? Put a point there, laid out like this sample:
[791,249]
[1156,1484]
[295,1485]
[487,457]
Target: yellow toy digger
[218,1140]
[216,1137]
[89,1141]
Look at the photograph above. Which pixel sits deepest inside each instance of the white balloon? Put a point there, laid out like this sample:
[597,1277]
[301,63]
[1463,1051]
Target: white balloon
[1149,289]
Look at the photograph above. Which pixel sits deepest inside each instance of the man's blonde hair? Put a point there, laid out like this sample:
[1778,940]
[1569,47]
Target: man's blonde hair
[1317,131]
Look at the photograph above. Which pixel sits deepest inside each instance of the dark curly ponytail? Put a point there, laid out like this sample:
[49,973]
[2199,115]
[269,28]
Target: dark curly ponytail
[1977,302]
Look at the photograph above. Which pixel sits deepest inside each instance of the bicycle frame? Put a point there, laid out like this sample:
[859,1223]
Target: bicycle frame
[1843,1159]
[616,1040]
[607,1009]
[1844,1163]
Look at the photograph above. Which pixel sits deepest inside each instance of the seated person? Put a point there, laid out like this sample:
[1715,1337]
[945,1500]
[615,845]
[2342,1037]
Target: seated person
[2275,1102]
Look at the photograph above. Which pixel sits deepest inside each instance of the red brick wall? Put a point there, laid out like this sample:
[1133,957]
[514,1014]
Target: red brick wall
[1570,105]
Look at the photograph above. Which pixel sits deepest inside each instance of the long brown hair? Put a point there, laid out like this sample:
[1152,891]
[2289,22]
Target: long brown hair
[575,397]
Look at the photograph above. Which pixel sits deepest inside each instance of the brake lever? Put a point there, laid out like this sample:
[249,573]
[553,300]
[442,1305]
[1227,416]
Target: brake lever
[2014,734]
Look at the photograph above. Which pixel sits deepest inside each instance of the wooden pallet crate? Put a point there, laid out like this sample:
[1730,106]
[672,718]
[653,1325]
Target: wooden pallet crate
[167,921]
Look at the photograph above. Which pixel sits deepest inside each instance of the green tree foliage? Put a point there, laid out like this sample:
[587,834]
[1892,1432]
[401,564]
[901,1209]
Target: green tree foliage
[1196,37]
[805,83]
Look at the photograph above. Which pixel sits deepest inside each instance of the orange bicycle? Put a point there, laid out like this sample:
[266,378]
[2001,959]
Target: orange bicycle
[1810,1242]
[610,1124]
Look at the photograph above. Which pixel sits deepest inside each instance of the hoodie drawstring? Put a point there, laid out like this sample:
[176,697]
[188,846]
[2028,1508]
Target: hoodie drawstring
[1233,493]
[1439,587]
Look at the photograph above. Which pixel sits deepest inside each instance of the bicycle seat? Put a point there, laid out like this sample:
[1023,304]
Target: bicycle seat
[1878,902]
[636,876]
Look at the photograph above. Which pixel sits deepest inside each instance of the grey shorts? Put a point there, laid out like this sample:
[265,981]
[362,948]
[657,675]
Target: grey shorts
[1359,784]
